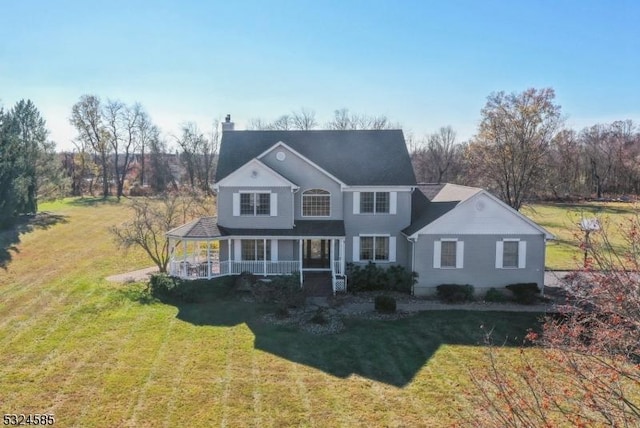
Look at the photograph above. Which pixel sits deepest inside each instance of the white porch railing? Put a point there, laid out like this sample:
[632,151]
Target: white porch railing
[201,270]
[337,268]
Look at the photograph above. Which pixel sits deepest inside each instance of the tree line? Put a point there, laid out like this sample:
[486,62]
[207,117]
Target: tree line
[522,150]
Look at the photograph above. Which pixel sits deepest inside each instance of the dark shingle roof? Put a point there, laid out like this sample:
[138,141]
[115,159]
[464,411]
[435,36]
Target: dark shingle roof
[331,228]
[358,157]
[424,211]
[204,227]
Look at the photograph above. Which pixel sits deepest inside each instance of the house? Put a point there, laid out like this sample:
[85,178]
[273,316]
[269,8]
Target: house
[313,201]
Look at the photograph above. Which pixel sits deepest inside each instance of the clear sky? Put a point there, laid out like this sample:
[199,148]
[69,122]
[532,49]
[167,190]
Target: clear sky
[424,64]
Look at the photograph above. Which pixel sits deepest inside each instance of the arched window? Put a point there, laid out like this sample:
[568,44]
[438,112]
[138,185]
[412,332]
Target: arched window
[316,203]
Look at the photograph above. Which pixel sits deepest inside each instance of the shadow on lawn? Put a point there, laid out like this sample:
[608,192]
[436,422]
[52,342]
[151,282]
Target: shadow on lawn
[392,352]
[10,238]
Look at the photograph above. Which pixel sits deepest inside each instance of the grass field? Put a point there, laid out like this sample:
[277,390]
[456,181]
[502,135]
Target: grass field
[97,354]
[562,220]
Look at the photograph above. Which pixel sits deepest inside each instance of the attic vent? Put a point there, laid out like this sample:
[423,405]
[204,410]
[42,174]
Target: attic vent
[281,156]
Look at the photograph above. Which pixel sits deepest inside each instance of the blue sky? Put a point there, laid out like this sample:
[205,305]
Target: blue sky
[423,64]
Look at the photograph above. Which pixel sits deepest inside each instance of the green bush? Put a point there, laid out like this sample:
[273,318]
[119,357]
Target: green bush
[283,290]
[525,293]
[400,279]
[162,284]
[386,304]
[371,277]
[245,281]
[319,317]
[495,295]
[455,293]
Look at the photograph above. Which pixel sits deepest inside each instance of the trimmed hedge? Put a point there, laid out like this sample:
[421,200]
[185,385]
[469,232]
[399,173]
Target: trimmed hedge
[525,293]
[386,304]
[371,277]
[495,295]
[455,293]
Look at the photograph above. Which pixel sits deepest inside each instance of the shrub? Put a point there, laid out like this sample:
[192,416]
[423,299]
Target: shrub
[319,317]
[283,290]
[245,281]
[371,277]
[282,313]
[162,284]
[455,293]
[386,304]
[400,279]
[495,295]
[524,293]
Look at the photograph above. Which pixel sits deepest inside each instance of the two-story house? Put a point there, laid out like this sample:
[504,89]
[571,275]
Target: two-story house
[312,201]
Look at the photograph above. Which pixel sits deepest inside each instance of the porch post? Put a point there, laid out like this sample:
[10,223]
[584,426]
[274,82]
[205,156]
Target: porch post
[300,260]
[264,255]
[228,256]
[342,258]
[209,259]
[332,256]
[184,258]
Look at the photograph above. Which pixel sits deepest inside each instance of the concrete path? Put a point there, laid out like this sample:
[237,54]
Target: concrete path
[134,276]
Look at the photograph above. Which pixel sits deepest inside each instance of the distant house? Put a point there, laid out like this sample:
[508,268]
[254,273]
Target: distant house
[313,201]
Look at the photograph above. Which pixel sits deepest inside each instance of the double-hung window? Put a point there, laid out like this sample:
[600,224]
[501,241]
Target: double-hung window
[254,204]
[448,253]
[316,203]
[511,254]
[374,202]
[374,248]
[254,249]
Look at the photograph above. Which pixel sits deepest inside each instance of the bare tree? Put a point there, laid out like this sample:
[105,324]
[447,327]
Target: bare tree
[199,154]
[513,140]
[86,117]
[344,120]
[304,119]
[153,217]
[585,372]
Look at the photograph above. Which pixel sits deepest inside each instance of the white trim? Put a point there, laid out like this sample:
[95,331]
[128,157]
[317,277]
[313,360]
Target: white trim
[237,250]
[393,202]
[236,204]
[356,249]
[522,254]
[499,254]
[273,200]
[356,202]
[274,250]
[302,195]
[437,249]
[258,164]
[378,188]
[304,158]
[427,230]
[272,197]
[459,254]
[392,249]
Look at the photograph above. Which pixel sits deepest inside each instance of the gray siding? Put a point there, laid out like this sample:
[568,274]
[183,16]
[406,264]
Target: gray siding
[307,177]
[479,263]
[284,219]
[392,224]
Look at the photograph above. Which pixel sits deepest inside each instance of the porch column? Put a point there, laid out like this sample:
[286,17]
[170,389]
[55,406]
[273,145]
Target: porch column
[332,256]
[264,255]
[342,258]
[229,256]
[300,259]
[184,258]
[209,259]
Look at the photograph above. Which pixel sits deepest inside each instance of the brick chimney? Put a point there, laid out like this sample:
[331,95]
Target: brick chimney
[227,125]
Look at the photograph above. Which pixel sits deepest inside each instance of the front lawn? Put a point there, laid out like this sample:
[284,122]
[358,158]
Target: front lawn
[101,354]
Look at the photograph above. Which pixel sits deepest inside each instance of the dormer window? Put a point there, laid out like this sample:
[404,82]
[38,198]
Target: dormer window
[316,203]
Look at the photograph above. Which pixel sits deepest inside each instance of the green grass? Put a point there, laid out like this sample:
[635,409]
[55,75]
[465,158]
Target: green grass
[562,220]
[100,354]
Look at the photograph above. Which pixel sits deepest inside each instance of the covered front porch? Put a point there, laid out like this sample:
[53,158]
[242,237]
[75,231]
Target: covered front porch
[203,250]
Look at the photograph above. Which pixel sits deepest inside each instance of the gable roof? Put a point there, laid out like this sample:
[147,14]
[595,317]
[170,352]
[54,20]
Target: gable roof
[355,157]
[446,192]
[254,170]
[423,211]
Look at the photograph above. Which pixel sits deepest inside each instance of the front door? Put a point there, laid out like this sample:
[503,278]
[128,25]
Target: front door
[316,254]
